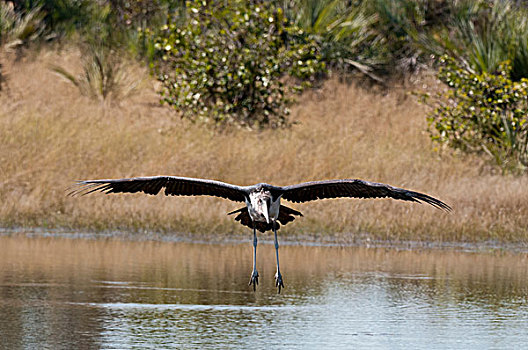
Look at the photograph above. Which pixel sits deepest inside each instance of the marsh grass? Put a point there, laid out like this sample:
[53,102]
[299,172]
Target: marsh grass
[52,136]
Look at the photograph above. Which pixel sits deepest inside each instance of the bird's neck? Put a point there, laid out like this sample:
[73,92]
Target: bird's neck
[262,204]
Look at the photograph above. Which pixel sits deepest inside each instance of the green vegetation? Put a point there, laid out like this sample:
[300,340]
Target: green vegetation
[382,36]
[483,112]
[226,64]
[343,33]
[484,34]
[19,28]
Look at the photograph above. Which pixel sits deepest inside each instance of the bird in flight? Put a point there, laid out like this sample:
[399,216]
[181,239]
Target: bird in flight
[263,210]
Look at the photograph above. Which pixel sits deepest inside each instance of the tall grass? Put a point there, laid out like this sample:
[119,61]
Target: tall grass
[106,75]
[52,136]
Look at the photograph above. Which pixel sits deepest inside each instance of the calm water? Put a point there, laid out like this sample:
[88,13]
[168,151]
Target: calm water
[64,293]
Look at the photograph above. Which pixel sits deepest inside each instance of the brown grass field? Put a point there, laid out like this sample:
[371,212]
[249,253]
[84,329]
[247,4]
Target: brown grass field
[51,136]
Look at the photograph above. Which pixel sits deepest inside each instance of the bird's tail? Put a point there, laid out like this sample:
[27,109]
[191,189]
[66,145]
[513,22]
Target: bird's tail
[285,215]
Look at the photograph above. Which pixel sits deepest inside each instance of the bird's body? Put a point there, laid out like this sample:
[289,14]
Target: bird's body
[263,210]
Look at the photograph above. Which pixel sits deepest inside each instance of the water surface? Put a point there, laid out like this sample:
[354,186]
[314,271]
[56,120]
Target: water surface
[61,293]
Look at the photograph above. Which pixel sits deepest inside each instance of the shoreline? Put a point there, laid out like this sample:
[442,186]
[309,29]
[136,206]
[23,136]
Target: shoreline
[343,241]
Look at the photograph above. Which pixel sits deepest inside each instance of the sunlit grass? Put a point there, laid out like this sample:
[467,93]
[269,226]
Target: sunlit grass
[52,136]
[106,75]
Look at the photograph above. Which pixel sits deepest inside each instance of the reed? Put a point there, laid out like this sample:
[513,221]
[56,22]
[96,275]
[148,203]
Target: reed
[51,136]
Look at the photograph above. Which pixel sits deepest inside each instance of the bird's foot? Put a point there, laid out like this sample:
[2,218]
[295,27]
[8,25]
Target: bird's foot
[254,279]
[278,281]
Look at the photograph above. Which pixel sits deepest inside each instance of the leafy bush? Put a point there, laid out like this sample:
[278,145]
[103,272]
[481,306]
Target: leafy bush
[135,18]
[483,112]
[234,62]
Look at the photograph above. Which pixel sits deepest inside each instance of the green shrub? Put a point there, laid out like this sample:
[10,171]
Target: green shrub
[234,62]
[482,112]
[130,20]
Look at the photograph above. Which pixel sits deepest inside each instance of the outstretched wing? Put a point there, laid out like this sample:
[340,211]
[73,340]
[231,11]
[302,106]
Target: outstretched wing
[173,185]
[310,191]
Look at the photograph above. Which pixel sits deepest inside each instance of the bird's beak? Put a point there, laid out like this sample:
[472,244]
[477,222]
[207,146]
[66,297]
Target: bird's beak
[265,212]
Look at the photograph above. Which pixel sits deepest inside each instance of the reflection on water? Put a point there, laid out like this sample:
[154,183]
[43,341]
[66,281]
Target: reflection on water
[65,293]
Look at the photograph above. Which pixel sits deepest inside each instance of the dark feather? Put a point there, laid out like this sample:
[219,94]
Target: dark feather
[310,191]
[173,185]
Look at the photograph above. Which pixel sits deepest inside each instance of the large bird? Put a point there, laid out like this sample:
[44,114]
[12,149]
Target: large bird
[263,210]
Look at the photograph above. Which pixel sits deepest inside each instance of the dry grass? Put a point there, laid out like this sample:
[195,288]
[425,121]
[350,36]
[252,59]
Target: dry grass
[52,136]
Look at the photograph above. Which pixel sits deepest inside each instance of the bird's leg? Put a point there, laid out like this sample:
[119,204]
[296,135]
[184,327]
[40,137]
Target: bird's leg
[254,275]
[278,277]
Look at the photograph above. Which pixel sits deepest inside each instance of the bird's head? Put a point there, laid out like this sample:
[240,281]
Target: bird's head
[261,201]
[265,202]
